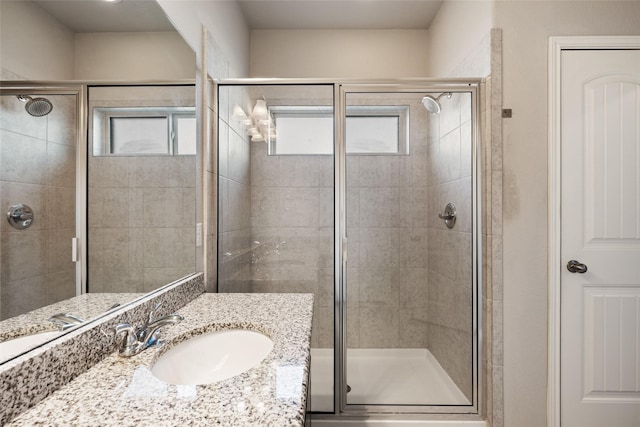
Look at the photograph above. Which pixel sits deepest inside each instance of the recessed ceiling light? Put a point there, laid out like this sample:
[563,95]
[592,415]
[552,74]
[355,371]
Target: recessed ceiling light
[113,1]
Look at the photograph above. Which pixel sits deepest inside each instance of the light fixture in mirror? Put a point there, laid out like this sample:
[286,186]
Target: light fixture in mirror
[260,126]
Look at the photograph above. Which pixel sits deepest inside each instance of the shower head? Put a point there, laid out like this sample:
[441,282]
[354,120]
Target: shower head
[37,107]
[433,104]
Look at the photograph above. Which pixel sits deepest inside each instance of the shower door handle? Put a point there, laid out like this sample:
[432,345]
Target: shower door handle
[576,267]
[344,250]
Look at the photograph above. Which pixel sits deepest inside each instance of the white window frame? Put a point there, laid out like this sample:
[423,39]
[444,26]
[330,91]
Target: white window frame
[171,114]
[401,112]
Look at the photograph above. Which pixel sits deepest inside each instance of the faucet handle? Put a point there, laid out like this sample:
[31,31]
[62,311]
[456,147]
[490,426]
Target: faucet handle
[65,320]
[152,313]
[129,332]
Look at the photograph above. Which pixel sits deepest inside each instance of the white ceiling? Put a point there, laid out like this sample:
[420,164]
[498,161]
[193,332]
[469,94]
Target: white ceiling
[146,15]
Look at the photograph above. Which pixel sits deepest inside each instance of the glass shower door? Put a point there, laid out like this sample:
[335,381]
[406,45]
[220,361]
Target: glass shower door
[276,205]
[409,277]
[38,157]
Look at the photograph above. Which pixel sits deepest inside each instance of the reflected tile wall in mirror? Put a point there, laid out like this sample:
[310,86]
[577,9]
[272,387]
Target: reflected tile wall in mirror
[142,208]
[37,168]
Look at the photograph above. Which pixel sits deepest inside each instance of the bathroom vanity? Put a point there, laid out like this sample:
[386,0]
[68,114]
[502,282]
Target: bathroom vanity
[123,391]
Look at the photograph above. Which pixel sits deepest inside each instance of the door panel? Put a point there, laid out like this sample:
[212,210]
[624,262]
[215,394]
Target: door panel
[610,342]
[611,174]
[600,308]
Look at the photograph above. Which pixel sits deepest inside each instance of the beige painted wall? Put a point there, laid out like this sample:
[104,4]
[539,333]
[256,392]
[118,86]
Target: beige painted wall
[133,56]
[456,31]
[339,53]
[33,45]
[526,26]
[222,19]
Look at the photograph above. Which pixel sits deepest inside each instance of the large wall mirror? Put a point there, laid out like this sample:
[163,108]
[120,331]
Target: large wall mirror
[112,165]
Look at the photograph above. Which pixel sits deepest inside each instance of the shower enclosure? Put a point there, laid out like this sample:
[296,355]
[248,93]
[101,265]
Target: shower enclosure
[39,156]
[97,189]
[365,195]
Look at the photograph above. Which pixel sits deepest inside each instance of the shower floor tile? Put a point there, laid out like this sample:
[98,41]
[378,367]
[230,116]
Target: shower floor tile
[384,377]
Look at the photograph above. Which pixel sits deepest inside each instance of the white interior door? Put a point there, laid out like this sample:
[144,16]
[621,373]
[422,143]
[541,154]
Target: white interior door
[600,229]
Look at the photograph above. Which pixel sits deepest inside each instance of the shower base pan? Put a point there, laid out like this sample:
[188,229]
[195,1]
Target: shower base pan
[384,377]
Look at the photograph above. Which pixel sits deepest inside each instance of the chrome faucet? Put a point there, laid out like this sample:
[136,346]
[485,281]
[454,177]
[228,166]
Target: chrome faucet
[65,320]
[136,339]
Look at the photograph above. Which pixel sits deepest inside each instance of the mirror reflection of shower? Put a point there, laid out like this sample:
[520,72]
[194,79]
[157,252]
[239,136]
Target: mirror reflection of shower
[39,169]
[37,107]
[433,104]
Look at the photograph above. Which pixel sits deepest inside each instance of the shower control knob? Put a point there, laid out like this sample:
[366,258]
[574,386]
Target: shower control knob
[20,216]
[576,267]
[449,215]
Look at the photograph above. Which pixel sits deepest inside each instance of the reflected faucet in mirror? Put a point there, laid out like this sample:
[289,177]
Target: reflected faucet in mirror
[65,320]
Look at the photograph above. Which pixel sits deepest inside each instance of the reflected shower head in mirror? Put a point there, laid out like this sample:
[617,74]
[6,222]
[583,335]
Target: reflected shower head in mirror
[37,107]
[433,104]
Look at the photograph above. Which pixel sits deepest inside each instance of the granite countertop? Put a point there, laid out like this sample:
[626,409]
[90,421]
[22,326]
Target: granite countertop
[85,306]
[122,391]
[34,324]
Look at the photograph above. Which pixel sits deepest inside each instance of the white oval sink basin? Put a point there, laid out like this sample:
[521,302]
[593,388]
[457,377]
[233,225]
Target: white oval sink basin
[19,345]
[211,357]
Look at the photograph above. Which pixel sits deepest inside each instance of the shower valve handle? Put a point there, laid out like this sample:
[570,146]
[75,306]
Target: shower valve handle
[449,215]
[446,215]
[20,216]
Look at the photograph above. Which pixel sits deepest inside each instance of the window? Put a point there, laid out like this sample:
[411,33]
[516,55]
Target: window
[144,131]
[302,130]
[369,130]
[138,135]
[184,133]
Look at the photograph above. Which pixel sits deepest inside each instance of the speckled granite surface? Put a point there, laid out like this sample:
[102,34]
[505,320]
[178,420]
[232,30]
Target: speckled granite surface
[30,378]
[86,307]
[123,392]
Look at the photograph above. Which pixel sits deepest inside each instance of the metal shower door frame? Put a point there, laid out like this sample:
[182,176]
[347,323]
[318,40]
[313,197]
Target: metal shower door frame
[342,410]
[341,407]
[18,87]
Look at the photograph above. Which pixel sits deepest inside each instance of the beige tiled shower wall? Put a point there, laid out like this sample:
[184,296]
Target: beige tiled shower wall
[292,224]
[275,235]
[486,61]
[450,306]
[37,168]
[289,244]
[387,288]
[141,214]
[234,200]
[292,199]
